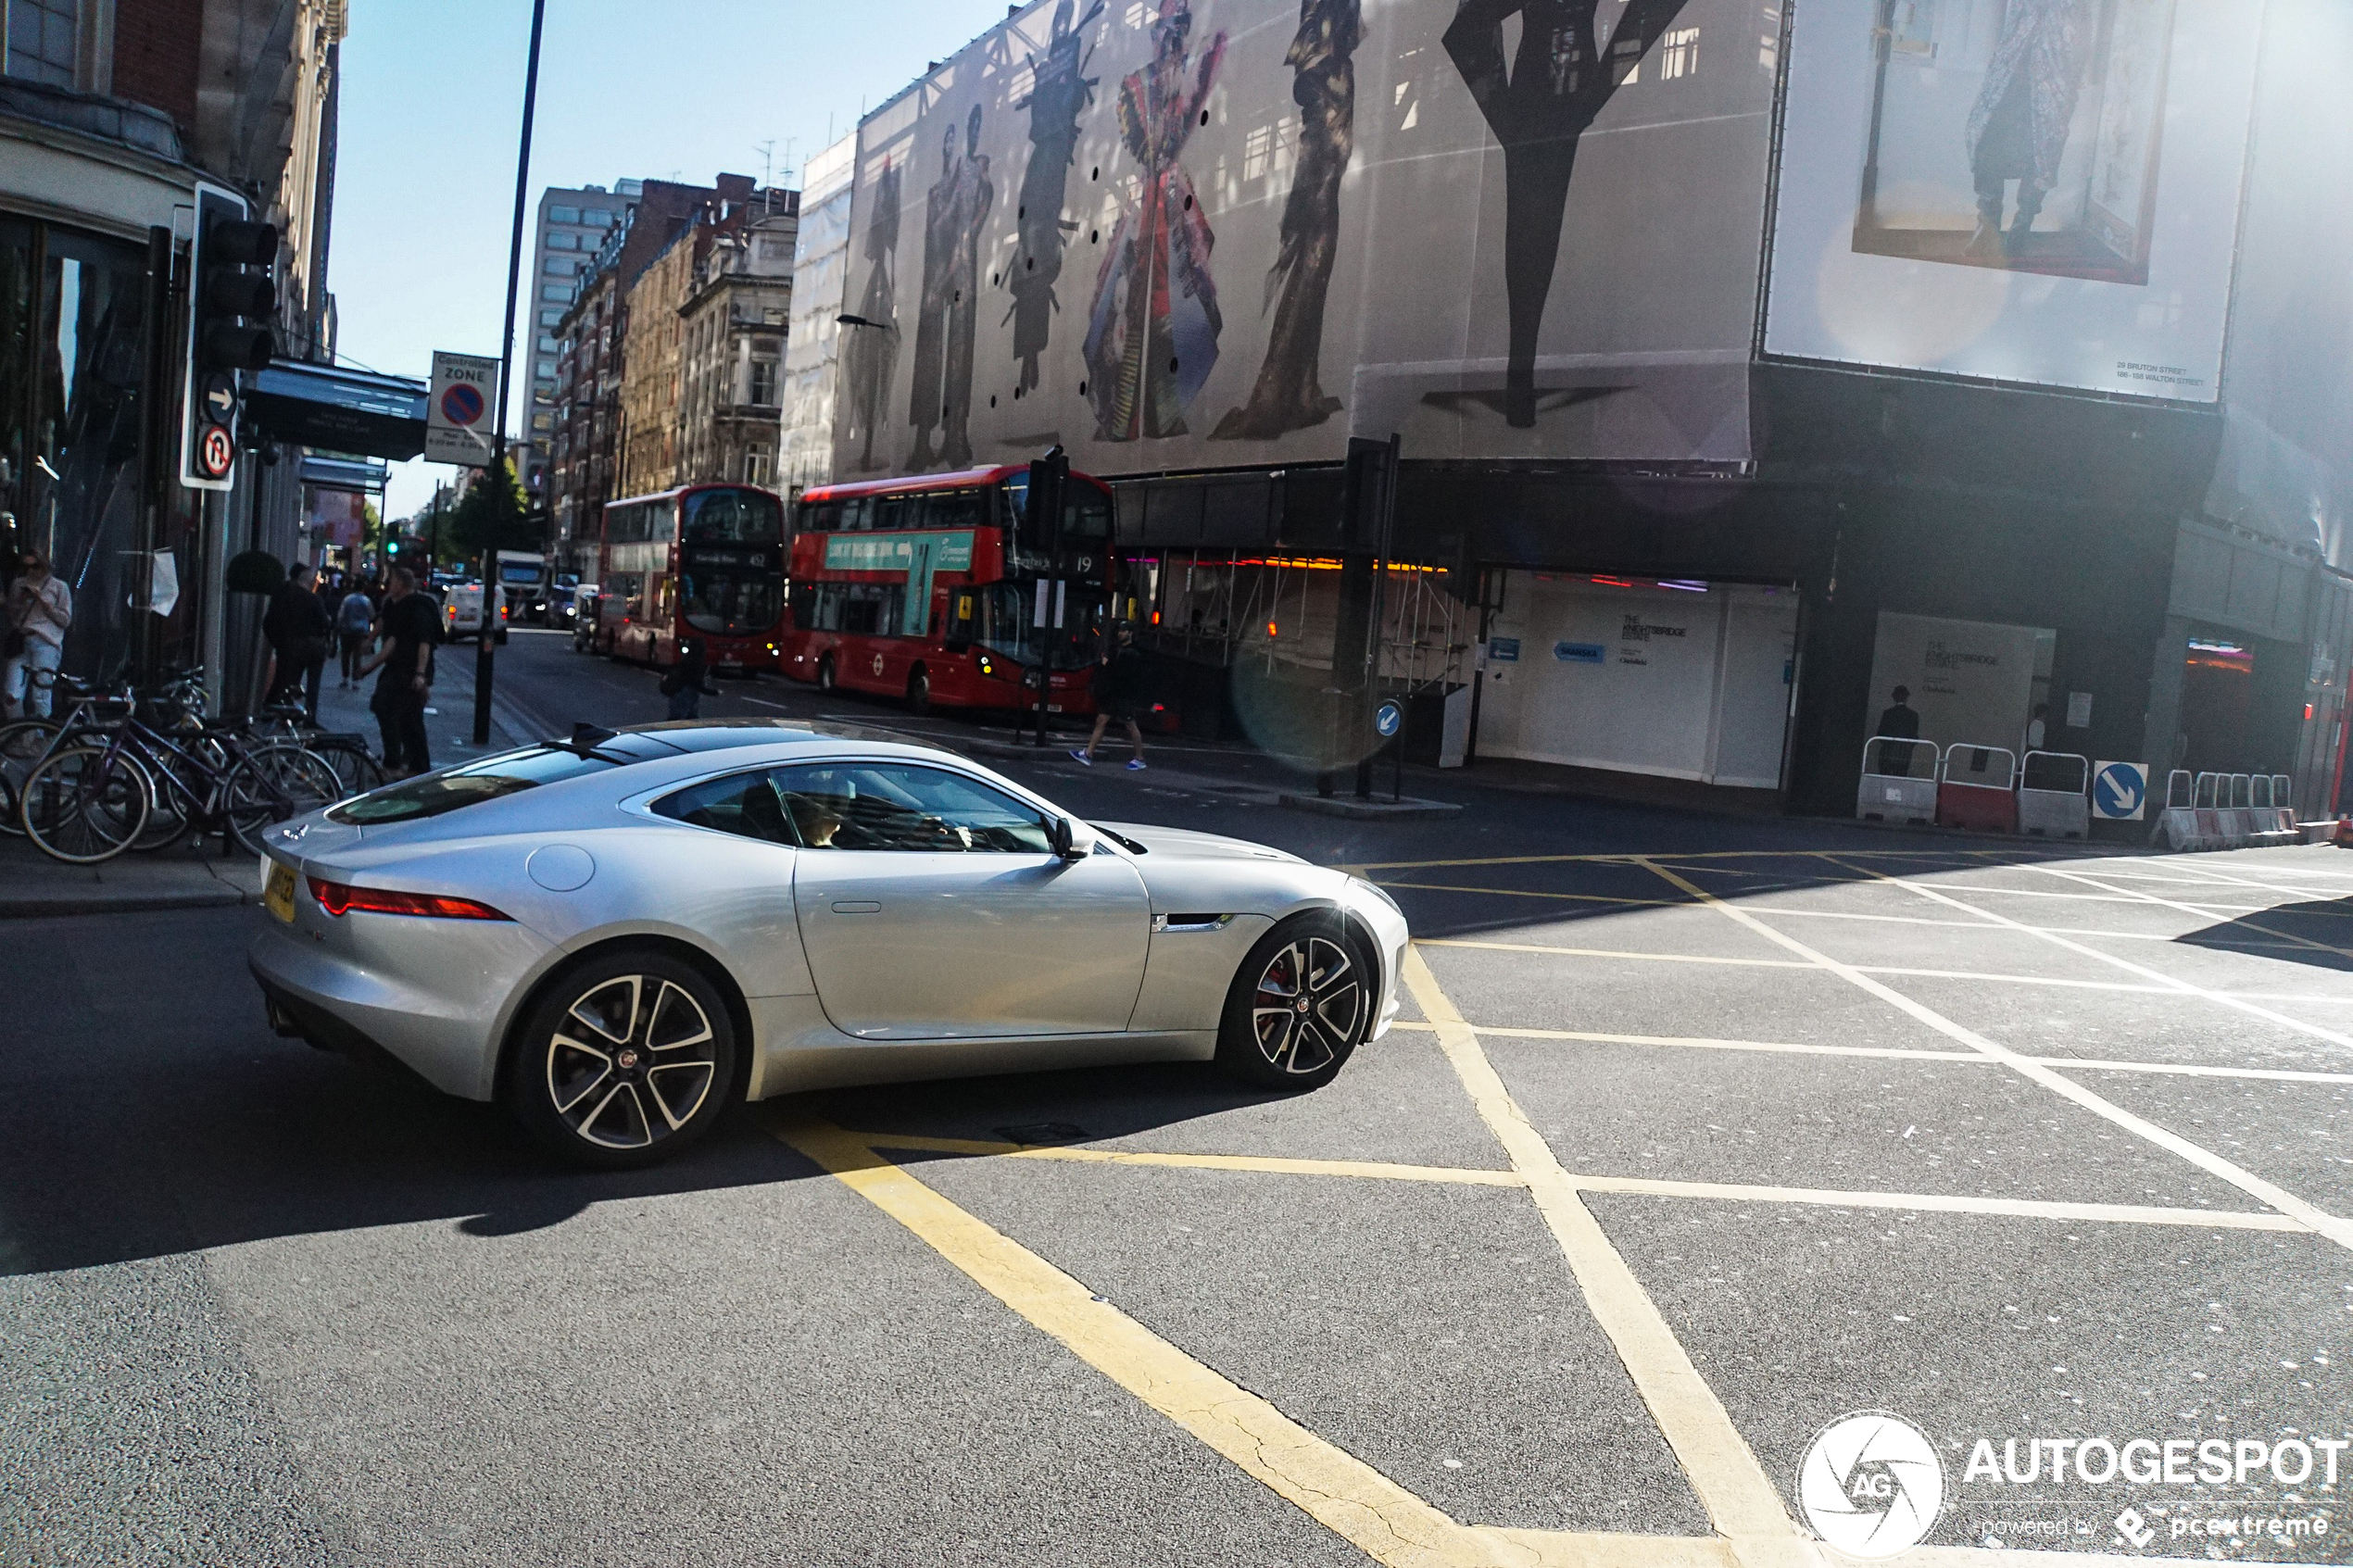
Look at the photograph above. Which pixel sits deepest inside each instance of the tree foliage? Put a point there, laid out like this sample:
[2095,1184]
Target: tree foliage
[490,516]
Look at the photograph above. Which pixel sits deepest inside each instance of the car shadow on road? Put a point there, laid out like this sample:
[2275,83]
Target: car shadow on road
[2318,931]
[147,1111]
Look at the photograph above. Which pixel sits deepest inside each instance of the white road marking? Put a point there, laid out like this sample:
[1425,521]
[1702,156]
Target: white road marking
[2276,1196]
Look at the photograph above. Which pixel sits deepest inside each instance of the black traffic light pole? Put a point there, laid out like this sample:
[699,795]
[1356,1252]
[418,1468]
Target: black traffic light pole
[487,637]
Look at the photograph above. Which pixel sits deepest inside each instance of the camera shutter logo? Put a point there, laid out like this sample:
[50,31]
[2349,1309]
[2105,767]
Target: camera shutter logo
[1870,1485]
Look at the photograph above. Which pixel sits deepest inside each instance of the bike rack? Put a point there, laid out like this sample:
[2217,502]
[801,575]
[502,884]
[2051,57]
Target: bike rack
[1908,796]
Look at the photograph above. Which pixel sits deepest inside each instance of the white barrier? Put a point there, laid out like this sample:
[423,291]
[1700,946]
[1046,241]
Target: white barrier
[2050,812]
[1885,796]
[2227,811]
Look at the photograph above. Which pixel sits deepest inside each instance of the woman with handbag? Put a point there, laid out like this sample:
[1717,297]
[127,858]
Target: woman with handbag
[40,609]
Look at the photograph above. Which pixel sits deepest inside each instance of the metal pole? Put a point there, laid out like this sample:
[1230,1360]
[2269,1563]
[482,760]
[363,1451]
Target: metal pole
[498,473]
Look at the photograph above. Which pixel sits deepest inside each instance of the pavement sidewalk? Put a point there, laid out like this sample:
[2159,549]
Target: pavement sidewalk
[196,874]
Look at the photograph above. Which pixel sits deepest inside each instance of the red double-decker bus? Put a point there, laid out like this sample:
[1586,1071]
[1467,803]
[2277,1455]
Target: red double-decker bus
[940,590]
[703,561]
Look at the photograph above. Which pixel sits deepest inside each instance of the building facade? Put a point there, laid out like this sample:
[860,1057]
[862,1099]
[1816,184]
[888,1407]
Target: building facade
[812,345]
[109,115]
[732,336]
[1746,362]
[569,227]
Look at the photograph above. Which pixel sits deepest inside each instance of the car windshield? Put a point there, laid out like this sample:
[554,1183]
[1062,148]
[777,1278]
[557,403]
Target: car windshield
[486,780]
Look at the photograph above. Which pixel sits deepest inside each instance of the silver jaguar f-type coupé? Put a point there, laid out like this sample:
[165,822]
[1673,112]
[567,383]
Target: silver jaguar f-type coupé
[619,935]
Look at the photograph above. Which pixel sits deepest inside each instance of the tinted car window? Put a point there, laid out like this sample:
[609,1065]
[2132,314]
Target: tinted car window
[897,806]
[485,780]
[741,803]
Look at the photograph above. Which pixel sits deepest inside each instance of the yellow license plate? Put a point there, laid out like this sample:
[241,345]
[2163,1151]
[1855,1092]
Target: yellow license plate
[279,894]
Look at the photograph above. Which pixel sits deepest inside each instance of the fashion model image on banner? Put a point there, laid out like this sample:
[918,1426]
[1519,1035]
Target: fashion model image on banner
[1061,92]
[1288,394]
[1152,334]
[871,353]
[954,214]
[2016,133]
[1538,102]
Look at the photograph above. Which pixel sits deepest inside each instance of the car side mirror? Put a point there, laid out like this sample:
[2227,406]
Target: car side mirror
[1071,841]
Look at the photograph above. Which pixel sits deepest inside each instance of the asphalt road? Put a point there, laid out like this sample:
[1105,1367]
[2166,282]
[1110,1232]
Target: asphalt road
[1699,1135]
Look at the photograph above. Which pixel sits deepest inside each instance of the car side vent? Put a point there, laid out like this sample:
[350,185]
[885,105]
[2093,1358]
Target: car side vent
[1182,922]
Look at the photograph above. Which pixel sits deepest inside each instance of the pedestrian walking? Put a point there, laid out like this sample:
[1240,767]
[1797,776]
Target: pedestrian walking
[355,617]
[687,682]
[1899,721]
[1119,694]
[410,627]
[300,634]
[40,609]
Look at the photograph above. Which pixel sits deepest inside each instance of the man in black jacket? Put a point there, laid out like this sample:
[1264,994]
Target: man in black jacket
[1119,694]
[300,632]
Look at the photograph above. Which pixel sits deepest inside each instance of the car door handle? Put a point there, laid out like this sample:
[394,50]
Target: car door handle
[855,907]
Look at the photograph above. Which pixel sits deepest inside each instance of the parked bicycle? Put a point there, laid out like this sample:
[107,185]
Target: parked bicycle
[102,787]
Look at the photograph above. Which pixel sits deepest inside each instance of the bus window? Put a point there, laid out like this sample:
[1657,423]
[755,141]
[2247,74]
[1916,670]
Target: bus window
[892,512]
[820,516]
[957,508]
[1086,511]
[858,515]
[733,517]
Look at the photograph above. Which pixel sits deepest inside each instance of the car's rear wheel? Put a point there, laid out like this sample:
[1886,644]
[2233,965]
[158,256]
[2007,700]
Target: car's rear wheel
[1298,1006]
[628,1059]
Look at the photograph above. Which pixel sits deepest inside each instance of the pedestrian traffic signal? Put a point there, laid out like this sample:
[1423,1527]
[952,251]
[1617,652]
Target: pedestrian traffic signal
[231,292]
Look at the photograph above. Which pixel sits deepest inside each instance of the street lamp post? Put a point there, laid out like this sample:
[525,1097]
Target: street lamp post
[487,637]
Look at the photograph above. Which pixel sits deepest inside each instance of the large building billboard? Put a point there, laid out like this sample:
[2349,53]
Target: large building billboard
[1233,232]
[2039,190]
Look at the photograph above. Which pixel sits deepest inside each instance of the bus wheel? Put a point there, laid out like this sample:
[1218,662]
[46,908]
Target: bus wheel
[825,673]
[919,693]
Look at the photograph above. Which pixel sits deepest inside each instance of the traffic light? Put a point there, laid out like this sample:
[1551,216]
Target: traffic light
[231,292]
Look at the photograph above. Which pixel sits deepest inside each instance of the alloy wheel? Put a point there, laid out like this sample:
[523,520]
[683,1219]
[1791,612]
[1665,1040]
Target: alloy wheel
[632,1060]
[1308,1005]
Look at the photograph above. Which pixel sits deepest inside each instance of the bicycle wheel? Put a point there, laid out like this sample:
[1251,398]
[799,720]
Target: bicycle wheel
[359,770]
[275,783]
[86,804]
[177,796]
[22,744]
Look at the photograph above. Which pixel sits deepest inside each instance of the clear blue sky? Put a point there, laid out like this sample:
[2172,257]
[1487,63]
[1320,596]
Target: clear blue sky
[432,99]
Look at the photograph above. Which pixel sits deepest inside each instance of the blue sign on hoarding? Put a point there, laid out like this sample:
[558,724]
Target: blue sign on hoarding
[1504,650]
[2119,791]
[1580,653]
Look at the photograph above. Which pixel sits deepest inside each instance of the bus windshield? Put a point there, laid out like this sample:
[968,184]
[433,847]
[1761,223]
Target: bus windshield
[733,517]
[1085,510]
[730,600]
[1008,611]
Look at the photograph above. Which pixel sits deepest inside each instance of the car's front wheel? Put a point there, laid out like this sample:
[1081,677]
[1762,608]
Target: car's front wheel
[625,1061]
[1300,1005]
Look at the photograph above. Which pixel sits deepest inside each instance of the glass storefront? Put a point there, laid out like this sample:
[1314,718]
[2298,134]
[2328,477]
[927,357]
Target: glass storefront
[72,342]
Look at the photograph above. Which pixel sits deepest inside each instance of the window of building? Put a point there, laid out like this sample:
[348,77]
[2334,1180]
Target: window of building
[550,317]
[563,214]
[543,422]
[559,266]
[561,241]
[1679,53]
[763,382]
[547,343]
[546,368]
[597,218]
[758,466]
[559,292]
[41,41]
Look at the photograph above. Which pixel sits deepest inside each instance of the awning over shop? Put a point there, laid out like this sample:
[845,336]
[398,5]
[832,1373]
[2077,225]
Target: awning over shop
[335,471]
[355,412]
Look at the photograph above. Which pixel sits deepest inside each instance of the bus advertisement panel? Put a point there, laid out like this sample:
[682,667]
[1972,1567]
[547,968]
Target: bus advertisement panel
[706,563]
[944,590]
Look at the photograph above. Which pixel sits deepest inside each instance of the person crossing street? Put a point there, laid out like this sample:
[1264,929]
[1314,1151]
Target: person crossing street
[1119,694]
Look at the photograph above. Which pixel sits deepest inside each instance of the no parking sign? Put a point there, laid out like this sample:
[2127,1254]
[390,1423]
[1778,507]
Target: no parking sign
[2119,791]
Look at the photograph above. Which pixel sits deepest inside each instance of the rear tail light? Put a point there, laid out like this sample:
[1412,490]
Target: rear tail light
[339,899]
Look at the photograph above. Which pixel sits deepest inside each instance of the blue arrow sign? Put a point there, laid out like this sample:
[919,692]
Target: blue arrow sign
[1389,719]
[2119,791]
